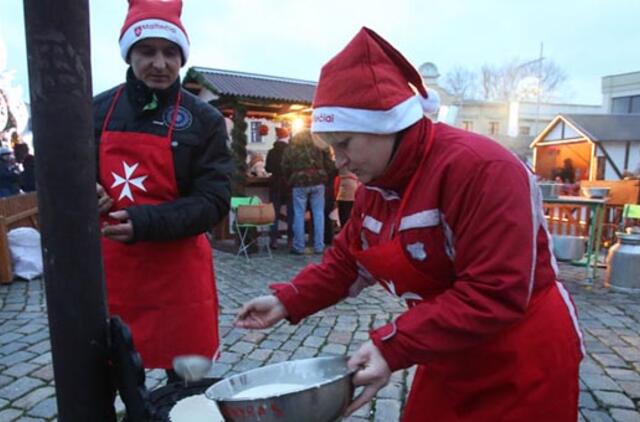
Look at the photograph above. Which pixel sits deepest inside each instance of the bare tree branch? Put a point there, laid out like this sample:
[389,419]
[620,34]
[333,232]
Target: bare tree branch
[461,83]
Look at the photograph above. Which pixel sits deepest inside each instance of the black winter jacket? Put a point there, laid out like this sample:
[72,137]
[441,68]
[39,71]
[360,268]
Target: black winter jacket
[201,157]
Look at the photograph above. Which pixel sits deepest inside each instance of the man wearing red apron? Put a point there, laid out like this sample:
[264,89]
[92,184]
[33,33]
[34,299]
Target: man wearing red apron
[163,181]
[451,222]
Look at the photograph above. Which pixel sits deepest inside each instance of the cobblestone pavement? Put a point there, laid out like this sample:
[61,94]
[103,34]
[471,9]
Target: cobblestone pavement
[609,377]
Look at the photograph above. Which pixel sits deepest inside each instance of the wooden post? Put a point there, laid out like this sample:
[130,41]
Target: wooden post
[58,54]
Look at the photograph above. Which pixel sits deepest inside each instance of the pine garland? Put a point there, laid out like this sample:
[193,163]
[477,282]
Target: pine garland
[239,150]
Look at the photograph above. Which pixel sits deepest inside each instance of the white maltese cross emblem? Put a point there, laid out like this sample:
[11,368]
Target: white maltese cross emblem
[127,181]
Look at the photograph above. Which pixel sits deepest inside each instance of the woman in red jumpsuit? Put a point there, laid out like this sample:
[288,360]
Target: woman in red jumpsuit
[451,222]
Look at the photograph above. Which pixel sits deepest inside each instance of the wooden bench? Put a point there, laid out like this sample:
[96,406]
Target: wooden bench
[15,211]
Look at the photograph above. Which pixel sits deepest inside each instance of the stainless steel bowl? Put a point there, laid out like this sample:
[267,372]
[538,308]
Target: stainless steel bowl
[595,192]
[569,248]
[550,190]
[324,391]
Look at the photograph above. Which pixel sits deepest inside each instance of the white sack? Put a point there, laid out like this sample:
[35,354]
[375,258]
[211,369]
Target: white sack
[26,252]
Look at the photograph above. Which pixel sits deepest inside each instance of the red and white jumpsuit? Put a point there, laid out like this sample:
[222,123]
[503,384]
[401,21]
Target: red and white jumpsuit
[455,227]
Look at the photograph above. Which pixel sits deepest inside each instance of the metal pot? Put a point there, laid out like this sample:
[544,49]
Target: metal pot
[323,391]
[623,264]
[569,248]
[550,190]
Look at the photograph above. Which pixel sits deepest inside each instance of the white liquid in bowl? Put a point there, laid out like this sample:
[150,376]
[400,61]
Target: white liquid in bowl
[196,408]
[268,390]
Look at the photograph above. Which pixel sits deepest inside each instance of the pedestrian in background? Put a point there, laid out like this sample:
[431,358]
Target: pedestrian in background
[347,185]
[279,191]
[329,193]
[164,180]
[27,161]
[303,165]
[9,173]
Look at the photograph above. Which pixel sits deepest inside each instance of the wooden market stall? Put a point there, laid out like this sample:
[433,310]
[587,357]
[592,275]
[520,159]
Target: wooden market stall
[602,151]
[254,106]
[600,146]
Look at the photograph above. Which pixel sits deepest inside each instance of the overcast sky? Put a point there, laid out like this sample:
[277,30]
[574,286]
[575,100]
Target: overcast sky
[293,38]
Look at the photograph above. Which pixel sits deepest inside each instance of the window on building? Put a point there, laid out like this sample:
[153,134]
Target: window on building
[635,104]
[494,128]
[524,130]
[467,125]
[626,105]
[256,135]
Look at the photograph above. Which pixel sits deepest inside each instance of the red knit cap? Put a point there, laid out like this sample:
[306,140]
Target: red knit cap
[370,87]
[154,19]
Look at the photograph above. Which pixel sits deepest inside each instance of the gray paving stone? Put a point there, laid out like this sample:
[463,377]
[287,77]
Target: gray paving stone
[34,397]
[623,374]
[19,388]
[391,391]
[303,352]
[45,373]
[4,380]
[313,341]
[596,416]
[9,337]
[387,410]
[242,347]
[587,401]
[609,360]
[599,382]
[334,349]
[632,389]
[20,369]
[45,409]
[623,415]
[7,415]
[17,357]
[613,399]
[260,354]
[12,347]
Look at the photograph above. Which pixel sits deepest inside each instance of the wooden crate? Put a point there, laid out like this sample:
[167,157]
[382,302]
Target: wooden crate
[15,211]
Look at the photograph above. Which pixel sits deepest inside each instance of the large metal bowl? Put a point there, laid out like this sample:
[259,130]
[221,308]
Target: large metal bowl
[323,389]
[569,248]
[550,190]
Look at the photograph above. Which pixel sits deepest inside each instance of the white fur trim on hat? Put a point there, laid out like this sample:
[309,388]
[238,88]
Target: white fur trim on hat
[346,119]
[153,28]
[431,104]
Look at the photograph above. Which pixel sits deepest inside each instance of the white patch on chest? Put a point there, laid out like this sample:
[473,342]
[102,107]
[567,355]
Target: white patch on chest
[417,252]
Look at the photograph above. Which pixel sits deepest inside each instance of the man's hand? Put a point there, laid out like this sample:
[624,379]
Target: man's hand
[373,373]
[104,200]
[261,312]
[122,231]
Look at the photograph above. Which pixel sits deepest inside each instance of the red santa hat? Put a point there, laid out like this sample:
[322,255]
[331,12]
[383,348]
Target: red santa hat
[154,19]
[370,87]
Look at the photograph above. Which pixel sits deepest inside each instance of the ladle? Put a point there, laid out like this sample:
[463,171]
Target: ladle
[191,368]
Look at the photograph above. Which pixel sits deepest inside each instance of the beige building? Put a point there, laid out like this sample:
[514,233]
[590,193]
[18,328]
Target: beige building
[621,93]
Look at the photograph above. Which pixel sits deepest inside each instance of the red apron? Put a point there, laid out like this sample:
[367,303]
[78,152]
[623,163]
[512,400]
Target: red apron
[164,291]
[503,379]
